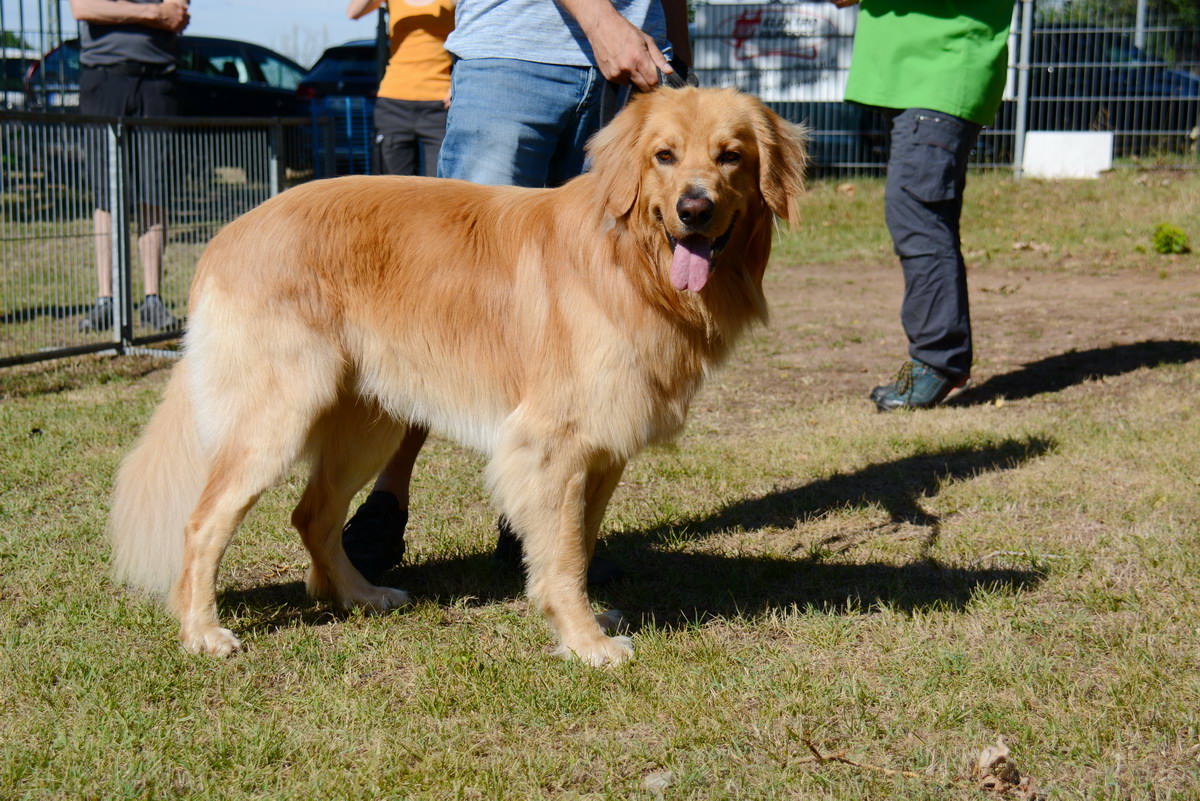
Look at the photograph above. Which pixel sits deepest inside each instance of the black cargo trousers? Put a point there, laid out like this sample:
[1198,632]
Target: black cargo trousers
[927,171]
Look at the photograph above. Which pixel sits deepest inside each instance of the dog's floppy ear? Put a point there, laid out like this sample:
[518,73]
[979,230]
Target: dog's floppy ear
[782,160]
[616,158]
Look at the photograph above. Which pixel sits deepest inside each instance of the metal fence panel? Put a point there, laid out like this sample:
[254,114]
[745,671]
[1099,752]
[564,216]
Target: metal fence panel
[84,198]
[1131,67]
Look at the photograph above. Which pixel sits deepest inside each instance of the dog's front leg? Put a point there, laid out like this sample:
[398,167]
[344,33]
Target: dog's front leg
[547,501]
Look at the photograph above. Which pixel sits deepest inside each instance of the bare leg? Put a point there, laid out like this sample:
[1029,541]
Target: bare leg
[151,243]
[102,225]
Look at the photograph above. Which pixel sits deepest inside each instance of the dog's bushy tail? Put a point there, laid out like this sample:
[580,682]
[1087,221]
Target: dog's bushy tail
[156,489]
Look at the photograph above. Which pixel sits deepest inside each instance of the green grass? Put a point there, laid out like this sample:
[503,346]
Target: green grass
[899,588]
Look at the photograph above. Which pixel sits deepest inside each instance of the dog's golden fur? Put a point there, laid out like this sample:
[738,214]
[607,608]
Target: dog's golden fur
[540,326]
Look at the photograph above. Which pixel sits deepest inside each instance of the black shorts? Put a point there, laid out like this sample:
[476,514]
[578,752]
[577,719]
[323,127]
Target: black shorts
[409,135]
[108,92]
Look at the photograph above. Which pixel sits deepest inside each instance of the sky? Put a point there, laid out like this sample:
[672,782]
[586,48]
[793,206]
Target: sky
[300,29]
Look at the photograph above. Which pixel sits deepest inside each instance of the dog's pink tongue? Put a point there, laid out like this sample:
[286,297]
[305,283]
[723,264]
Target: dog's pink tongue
[691,262]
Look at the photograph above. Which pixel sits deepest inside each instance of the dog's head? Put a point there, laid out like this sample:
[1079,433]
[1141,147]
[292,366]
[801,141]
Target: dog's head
[694,165]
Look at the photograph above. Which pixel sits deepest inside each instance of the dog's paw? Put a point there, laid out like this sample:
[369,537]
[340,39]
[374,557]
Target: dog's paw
[211,640]
[379,599]
[599,652]
[613,622]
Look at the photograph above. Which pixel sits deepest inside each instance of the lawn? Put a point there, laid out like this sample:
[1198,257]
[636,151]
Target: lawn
[805,576]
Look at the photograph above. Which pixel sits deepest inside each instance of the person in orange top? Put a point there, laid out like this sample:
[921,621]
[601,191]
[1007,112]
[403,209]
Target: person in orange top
[410,114]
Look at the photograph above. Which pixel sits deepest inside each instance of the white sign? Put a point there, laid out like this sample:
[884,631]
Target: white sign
[789,51]
[1067,154]
[779,51]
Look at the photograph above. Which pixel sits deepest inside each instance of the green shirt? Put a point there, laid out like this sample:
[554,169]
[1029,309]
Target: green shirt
[944,55]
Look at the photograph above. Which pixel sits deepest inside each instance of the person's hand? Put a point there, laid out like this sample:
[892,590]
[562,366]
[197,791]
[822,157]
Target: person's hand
[173,15]
[360,8]
[446,100]
[625,54]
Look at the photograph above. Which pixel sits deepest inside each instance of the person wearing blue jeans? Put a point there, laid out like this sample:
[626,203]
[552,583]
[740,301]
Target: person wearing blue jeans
[528,89]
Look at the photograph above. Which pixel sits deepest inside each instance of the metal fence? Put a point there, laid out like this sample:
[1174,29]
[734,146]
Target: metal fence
[91,205]
[1129,67]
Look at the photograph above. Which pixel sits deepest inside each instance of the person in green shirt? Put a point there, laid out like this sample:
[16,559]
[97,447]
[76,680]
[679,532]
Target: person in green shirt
[937,67]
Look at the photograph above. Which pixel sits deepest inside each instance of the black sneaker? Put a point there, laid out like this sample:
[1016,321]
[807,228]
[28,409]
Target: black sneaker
[917,386]
[154,314]
[99,317]
[508,552]
[374,537]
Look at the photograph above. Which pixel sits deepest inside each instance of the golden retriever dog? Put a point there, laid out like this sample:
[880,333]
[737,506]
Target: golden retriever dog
[559,331]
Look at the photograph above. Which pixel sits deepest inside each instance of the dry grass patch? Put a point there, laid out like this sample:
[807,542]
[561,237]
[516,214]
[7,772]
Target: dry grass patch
[895,591]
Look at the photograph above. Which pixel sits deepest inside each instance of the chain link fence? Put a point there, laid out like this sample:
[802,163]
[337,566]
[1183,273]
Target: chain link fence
[95,206]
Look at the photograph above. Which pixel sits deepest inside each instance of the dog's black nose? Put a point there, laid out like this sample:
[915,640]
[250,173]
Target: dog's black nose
[694,208]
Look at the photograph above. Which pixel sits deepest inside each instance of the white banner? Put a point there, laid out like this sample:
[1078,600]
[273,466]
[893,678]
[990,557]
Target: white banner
[779,51]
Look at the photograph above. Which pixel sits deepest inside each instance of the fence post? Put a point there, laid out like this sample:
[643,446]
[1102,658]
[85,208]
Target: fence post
[277,165]
[329,134]
[1023,86]
[1139,31]
[118,212]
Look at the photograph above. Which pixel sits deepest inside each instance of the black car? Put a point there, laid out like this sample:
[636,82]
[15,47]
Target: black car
[217,78]
[341,87]
[347,70]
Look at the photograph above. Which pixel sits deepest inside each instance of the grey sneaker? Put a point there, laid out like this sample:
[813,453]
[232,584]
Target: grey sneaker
[154,314]
[99,317]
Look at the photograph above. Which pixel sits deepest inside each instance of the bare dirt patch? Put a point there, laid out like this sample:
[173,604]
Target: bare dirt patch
[835,333]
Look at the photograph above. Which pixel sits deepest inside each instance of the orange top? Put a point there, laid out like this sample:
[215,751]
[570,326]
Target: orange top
[419,66]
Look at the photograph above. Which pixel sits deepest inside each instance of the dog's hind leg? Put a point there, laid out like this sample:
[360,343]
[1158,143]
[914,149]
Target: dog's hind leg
[543,487]
[255,421]
[239,474]
[348,445]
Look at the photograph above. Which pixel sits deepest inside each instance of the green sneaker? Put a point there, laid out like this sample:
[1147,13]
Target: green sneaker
[917,386]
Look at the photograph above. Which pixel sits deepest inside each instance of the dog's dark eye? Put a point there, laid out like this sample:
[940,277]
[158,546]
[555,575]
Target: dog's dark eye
[729,157]
[665,157]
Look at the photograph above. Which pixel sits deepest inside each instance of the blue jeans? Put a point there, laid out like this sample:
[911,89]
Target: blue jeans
[923,197]
[519,123]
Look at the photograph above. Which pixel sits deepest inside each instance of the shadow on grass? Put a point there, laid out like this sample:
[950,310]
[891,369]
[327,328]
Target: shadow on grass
[270,607]
[1056,373]
[678,588]
[669,587]
[31,313]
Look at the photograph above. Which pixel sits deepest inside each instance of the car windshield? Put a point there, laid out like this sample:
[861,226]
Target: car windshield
[275,72]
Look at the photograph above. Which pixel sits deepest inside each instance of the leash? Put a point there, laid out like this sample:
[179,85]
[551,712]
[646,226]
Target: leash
[613,96]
